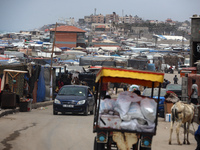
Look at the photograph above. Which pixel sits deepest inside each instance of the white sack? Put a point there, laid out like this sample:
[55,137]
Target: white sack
[129,125]
[148,108]
[109,121]
[133,113]
[124,101]
[148,127]
[134,125]
[106,105]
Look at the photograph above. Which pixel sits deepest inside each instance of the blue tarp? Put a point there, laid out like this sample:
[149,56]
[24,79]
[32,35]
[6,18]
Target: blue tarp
[115,55]
[70,60]
[162,37]
[39,42]
[41,87]
[65,48]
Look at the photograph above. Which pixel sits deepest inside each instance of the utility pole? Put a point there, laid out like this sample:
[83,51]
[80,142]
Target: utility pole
[51,71]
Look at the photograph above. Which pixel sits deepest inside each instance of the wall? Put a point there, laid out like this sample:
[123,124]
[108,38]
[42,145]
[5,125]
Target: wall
[64,39]
[195,40]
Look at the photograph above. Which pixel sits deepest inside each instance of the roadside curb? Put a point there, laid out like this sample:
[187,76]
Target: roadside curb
[5,112]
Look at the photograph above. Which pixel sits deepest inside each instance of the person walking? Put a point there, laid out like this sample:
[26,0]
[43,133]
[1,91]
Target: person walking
[175,79]
[194,94]
[197,137]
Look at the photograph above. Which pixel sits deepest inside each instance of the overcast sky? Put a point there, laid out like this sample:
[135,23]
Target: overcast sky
[16,15]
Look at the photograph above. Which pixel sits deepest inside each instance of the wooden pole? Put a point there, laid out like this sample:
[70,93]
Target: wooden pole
[51,71]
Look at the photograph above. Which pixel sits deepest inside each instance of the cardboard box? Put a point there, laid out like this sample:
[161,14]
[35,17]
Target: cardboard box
[167,107]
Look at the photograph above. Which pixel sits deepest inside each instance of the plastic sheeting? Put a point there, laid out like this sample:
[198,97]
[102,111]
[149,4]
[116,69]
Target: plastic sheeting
[47,71]
[41,87]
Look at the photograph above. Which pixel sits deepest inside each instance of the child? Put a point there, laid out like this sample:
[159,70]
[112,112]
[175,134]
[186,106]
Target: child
[197,137]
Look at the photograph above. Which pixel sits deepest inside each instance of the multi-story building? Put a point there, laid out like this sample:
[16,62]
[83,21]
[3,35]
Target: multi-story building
[137,19]
[112,18]
[68,36]
[98,18]
[88,19]
[130,19]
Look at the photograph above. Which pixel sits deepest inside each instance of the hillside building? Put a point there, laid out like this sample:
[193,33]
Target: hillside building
[68,36]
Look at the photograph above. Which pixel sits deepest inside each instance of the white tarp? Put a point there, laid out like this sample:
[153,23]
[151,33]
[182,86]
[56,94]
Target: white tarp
[109,48]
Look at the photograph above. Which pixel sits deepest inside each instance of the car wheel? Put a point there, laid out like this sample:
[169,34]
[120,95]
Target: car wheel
[55,112]
[86,111]
[92,111]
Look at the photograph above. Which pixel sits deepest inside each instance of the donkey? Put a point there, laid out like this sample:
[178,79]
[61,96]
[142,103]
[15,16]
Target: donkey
[183,114]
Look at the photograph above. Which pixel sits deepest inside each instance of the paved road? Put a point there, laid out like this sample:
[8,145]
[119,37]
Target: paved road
[40,130]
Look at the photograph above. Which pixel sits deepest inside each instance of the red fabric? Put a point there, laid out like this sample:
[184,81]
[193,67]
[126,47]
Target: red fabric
[171,92]
[104,87]
[60,84]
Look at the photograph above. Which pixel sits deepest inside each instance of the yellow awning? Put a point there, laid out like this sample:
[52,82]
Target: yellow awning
[139,77]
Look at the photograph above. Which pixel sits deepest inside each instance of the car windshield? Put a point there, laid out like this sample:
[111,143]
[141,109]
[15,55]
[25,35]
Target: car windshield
[173,87]
[69,91]
[147,92]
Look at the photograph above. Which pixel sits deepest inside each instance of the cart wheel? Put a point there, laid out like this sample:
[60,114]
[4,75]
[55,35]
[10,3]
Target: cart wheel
[98,146]
[55,112]
[86,111]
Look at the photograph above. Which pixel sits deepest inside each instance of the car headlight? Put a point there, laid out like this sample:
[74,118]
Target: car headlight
[57,101]
[81,102]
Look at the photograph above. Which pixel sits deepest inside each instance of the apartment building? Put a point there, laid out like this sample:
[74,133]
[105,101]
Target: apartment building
[98,18]
[112,18]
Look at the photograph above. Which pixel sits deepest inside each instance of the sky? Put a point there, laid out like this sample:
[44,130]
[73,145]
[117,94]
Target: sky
[16,15]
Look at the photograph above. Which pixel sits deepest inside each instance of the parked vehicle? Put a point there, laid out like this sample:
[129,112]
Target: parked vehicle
[176,88]
[75,99]
[187,62]
[108,132]
[180,67]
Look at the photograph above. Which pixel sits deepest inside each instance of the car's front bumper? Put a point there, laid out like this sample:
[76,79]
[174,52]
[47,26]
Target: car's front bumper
[75,108]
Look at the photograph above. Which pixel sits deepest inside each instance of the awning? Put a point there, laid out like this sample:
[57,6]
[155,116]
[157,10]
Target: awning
[144,78]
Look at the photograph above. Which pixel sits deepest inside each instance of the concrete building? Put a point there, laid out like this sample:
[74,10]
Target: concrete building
[112,18]
[88,19]
[101,27]
[130,19]
[98,18]
[68,36]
